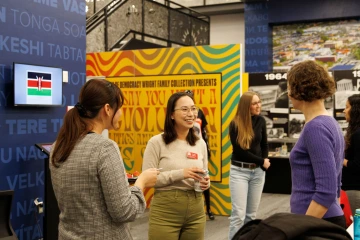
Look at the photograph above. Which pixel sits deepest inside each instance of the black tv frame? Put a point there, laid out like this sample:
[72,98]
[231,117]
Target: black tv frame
[37,105]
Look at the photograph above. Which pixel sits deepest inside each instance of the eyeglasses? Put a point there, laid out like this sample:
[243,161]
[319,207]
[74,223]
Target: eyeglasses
[186,110]
[256,103]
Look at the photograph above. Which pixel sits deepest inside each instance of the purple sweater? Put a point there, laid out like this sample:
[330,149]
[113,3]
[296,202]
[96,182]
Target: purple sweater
[316,164]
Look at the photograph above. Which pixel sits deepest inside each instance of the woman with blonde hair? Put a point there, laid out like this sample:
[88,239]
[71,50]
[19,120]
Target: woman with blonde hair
[249,160]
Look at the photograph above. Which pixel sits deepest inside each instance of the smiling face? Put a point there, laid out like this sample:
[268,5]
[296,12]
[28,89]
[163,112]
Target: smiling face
[184,120]
[255,106]
[347,111]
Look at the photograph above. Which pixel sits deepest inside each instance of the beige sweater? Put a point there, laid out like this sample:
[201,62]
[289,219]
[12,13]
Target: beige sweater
[172,159]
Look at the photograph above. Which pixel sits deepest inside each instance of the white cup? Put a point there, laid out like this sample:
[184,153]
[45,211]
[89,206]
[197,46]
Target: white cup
[197,187]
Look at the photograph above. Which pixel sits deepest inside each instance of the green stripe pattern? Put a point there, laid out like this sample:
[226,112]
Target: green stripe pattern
[36,92]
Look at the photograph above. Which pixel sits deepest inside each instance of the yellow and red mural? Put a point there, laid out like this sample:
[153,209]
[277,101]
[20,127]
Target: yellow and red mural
[148,78]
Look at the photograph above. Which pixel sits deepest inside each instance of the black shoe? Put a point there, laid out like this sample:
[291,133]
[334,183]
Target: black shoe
[211,215]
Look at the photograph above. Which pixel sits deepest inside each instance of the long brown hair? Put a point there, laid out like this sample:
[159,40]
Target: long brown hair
[242,120]
[170,134]
[94,95]
[354,121]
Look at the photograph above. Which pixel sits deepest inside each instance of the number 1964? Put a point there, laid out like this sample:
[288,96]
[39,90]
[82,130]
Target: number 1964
[275,76]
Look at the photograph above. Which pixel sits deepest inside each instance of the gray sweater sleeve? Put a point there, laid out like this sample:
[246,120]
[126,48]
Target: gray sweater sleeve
[123,203]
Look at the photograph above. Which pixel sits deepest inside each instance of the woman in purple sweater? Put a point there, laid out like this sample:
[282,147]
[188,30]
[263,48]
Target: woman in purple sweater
[316,159]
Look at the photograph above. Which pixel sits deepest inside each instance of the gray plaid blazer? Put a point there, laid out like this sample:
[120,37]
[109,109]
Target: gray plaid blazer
[93,193]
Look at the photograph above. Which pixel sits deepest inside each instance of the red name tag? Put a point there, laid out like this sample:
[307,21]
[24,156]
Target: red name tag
[191,155]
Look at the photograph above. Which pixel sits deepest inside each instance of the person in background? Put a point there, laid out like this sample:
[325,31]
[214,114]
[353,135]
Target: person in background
[176,210]
[351,163]
[87,171]
[249,161]
[200,127]
[282,100]
[317,157]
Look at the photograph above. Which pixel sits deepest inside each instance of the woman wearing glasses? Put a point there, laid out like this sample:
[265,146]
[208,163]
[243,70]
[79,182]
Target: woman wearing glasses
[177,211]
[249,161]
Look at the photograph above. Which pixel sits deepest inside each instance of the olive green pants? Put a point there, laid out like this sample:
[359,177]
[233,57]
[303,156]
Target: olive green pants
[177,215]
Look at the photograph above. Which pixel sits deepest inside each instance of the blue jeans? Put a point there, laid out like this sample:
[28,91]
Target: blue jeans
[246,186]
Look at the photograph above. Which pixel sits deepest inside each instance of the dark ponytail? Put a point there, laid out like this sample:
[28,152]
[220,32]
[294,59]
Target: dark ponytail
[93,96]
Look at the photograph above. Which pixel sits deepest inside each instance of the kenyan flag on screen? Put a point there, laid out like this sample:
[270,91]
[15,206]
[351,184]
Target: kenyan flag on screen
[38,84]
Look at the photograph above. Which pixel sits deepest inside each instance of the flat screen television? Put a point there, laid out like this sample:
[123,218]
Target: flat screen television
[36,85]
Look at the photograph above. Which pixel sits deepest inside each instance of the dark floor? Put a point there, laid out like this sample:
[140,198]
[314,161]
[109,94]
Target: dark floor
[218,229]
